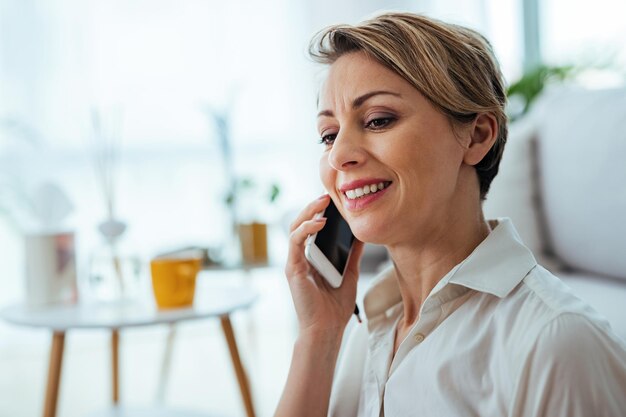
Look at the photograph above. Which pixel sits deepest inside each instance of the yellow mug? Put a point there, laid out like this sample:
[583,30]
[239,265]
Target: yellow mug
[174,281]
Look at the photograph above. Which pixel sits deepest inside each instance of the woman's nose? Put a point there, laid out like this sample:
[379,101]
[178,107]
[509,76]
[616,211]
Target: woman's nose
[347,151]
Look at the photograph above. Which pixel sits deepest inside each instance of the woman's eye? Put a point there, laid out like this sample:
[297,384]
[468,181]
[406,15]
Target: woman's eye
[380,122]
[328,139]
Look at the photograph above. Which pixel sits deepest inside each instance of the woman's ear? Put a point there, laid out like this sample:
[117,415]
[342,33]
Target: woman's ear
[483,134]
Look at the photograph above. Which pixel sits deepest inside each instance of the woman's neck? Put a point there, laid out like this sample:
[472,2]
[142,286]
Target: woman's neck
[421,262]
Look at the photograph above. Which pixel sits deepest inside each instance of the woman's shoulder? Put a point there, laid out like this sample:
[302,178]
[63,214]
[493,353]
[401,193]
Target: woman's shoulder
[543,310]
[551,319]
[575,357]
[549,298]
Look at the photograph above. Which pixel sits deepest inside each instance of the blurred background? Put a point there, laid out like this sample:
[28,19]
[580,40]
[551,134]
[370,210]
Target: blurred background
[175,118]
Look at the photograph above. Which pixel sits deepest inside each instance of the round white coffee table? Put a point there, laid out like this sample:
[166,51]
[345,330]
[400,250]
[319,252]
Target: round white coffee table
[218,303]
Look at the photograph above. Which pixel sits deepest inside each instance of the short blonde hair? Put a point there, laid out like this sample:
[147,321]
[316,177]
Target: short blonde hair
[452,66]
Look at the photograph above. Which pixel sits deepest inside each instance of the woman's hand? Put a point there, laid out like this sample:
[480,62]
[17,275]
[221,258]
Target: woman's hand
[320,307]
[323,313]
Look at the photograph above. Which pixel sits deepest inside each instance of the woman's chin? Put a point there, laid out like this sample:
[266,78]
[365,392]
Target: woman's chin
[372,235]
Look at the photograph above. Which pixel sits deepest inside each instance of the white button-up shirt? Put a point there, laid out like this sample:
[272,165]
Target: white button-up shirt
[498,336]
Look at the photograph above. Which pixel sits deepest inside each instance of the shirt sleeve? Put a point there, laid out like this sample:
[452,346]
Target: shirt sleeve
[576,368]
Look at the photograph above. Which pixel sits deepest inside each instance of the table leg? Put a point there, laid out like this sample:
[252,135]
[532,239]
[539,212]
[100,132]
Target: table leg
[244,386]
[115,365]
[166,364]
[54,374]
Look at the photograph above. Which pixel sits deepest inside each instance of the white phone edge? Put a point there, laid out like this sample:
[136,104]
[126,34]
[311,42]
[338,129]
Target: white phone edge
[321,263]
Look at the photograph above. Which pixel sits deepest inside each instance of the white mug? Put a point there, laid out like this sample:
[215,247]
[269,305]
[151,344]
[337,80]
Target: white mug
[50,268]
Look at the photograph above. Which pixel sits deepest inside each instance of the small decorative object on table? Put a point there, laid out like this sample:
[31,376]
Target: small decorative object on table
[50,269]
[113,275]
[49,249]
[246,200]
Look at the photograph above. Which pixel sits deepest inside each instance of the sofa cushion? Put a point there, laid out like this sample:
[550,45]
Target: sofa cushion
[582,176]
[513,192]
[605,295]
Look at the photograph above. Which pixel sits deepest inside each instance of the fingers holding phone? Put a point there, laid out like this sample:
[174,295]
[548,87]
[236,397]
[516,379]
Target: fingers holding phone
[322,266]
[301,228]
[328,250]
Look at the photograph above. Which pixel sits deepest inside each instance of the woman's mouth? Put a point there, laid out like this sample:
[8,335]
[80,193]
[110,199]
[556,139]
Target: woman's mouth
[368,189]
[359,194]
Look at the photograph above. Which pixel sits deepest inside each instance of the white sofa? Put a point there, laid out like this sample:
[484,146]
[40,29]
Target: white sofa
[563,183]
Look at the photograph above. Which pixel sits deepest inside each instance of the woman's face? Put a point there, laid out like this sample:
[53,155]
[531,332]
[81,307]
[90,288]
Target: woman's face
[379,132]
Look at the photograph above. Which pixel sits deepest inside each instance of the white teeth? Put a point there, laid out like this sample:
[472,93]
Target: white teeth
[368,189]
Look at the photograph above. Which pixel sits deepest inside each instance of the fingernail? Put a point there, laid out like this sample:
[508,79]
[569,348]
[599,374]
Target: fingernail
[320,219]
[322,196]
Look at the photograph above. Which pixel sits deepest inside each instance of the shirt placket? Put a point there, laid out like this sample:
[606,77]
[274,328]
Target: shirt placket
[380,350]
[429,317]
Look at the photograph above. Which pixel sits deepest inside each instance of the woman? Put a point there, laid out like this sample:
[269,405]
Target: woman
[465,322]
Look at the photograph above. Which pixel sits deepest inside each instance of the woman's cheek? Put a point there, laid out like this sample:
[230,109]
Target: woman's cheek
[326,173]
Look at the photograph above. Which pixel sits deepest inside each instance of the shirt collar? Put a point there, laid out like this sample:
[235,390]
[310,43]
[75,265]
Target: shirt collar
[496,266]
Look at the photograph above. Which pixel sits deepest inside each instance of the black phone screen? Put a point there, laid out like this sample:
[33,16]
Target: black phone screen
[335,239]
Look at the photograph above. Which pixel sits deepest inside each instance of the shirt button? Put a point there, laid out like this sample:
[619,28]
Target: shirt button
[418,337]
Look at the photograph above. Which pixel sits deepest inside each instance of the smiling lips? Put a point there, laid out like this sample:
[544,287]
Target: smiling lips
[362,192]
[359,192]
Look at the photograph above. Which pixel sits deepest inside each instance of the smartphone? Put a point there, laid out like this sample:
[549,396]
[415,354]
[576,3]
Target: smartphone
[328,249]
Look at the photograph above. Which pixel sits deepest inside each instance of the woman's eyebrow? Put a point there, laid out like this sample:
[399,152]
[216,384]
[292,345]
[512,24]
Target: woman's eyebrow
[358,102]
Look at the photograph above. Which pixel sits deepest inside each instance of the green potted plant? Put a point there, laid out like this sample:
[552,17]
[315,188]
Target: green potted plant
[247,200]
[523,92]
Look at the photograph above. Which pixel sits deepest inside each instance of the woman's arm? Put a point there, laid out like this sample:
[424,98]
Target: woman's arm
[307,391]
[576,368]
[323,313]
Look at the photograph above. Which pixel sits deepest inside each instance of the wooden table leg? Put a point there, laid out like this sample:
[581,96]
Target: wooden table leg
[115,365]
[54,374]
[244,386]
